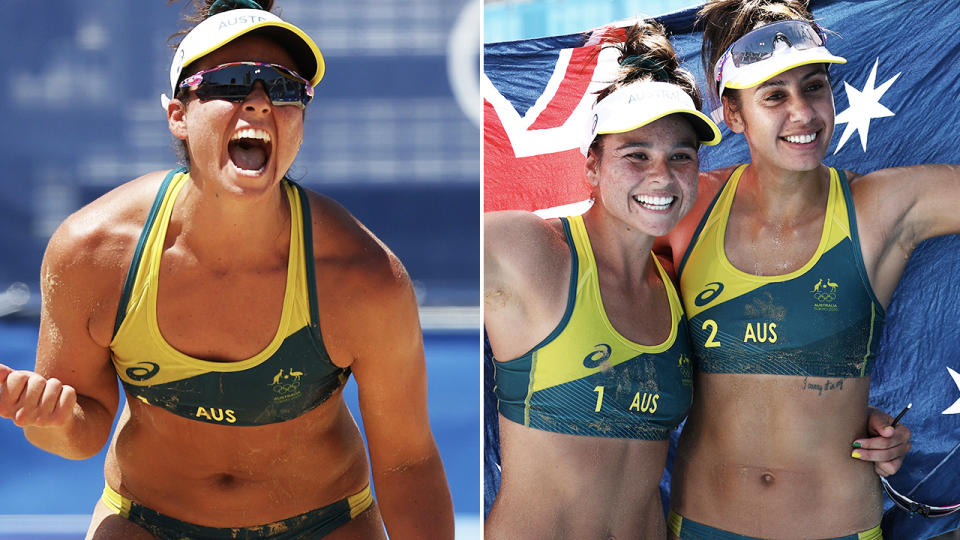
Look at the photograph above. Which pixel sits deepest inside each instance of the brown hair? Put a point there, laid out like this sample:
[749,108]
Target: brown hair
[726,21]
[646,54]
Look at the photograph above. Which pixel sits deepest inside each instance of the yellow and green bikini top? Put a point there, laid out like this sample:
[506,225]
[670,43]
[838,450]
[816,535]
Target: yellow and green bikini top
[821,320]
[585,378]
[291,376]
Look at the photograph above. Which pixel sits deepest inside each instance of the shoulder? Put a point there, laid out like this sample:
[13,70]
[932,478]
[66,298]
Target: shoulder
[521,235]
[88,255]
[349,254]
[102,228]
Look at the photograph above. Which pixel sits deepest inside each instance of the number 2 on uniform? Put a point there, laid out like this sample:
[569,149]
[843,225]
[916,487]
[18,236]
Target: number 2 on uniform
[712,324]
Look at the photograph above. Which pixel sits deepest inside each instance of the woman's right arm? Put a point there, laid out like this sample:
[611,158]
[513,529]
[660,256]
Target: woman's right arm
[66,406]
[524,280]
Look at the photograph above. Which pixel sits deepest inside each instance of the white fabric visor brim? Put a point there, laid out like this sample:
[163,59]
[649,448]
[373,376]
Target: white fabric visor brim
[619,124]
[753,74]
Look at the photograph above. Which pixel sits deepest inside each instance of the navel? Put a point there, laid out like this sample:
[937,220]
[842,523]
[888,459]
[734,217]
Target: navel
[767,479]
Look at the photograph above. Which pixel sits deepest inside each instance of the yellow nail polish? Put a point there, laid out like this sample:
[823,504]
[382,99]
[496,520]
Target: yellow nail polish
[855,454]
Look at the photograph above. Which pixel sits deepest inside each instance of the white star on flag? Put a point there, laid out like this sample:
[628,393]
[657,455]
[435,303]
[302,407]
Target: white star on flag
[955,408]
[864,106]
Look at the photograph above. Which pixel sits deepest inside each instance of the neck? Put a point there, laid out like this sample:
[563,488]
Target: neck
[617,248]
[227,228]
[781,195]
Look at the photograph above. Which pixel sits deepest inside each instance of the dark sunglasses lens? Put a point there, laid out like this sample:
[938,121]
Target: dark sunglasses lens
[234,83]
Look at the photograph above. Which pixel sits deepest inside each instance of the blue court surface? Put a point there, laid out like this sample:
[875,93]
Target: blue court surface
[45,497]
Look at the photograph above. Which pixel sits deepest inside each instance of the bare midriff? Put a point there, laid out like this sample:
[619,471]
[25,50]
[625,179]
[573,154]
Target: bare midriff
[556,486]
[770,455]
[228,476]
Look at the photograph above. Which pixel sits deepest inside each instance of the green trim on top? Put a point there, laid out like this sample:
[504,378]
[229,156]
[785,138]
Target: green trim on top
[703,222]
[138,252]
[855,238]
[308,252]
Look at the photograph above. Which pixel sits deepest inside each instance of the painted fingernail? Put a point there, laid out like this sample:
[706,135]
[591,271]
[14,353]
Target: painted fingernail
[855,454]
[856,444]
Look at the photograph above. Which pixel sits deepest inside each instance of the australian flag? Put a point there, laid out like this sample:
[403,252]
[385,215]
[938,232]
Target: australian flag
[898,103]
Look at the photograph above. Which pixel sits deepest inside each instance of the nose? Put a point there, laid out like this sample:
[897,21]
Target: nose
[258,100]
[801,111]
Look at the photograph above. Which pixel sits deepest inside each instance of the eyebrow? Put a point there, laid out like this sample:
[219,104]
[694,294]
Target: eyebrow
[817,69]
[645,145]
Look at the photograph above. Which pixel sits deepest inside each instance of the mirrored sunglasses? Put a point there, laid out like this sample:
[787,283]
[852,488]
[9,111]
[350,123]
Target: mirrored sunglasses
[234,81]
[762,43]
[915,507]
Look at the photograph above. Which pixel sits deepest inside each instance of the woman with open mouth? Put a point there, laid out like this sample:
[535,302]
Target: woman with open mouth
[233,305]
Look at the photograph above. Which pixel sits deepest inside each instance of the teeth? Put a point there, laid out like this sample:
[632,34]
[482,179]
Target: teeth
[251,133]
[653,202]
[801,139]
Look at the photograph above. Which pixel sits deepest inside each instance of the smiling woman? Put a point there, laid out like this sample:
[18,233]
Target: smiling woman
[233,341]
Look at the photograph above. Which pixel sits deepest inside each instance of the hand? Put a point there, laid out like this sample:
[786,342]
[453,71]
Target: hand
[32,400]
[888,445]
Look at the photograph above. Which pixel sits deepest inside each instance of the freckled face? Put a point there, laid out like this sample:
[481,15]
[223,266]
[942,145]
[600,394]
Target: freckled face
[248,146]
[788,120]
[647,177]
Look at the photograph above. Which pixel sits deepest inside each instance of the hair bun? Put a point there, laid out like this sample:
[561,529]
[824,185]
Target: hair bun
[219,6]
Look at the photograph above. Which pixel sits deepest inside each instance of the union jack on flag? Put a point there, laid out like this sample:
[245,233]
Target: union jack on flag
[897,104]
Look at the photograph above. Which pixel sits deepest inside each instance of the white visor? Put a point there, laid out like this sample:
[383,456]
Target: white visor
[769,50]
[640,103]
[751,75]
[218,30]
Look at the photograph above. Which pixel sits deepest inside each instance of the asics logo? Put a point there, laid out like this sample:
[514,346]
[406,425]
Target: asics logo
[143,371]
[707,295]
[599,355]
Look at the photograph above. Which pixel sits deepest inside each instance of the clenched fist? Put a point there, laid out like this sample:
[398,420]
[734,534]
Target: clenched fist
[32,400]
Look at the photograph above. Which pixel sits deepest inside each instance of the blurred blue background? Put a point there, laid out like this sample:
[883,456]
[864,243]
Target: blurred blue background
[393,134]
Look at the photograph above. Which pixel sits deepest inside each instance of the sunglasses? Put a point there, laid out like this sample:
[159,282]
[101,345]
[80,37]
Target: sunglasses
[235,80]
[768,40]
[915,507]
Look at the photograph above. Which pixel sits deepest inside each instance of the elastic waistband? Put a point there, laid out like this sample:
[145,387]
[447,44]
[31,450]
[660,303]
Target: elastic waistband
[313,524]
[686,529]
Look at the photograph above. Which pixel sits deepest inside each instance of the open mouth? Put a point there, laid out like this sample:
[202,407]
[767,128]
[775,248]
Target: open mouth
[656,203]
[250,150]
[801,139]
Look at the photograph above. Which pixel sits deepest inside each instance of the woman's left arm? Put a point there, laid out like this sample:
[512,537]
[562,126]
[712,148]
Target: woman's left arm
[897,209]
[391,376]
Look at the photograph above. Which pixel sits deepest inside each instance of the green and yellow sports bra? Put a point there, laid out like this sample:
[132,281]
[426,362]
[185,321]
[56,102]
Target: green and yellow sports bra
[821,320]
[291,376]
[587,379]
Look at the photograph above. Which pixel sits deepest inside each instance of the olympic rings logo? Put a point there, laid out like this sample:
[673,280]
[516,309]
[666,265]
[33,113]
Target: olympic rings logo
[825,296]
[284,389]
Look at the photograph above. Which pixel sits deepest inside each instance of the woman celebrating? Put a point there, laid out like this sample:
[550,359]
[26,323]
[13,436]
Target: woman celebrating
[233,305]
[592,369]
[786,266]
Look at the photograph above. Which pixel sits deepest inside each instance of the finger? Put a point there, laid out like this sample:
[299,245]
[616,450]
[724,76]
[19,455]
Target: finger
[29,402]
[887,468]
[878,421]
[48,401]
[64,408]
[4,371]
[10,391]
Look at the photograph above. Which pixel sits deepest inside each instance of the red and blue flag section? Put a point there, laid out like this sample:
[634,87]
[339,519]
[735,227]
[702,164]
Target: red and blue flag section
[897,104]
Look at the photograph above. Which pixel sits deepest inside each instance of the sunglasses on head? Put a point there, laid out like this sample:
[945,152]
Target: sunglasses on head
[915,507]
[234,81]
[769,40]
